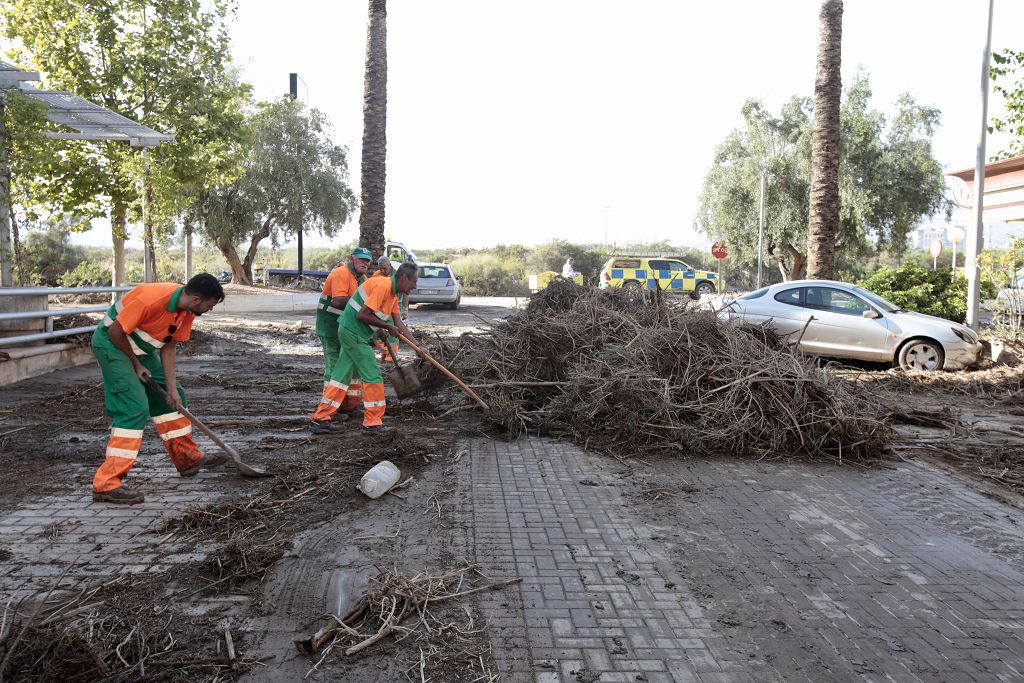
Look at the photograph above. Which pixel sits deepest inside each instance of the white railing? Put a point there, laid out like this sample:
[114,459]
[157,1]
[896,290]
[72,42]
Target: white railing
[50,314]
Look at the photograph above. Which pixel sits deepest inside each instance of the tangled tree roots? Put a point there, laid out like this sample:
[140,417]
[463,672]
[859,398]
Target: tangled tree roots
[630,373]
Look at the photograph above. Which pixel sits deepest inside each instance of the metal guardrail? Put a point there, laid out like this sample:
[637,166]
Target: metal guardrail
[49,314]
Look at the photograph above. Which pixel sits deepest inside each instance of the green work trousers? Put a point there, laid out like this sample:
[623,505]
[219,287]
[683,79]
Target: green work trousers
[331,350]
[128,402]
[355,359]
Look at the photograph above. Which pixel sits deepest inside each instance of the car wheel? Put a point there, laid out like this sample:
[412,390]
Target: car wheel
[455,304]
[703,289]
[632,284]
[921,354]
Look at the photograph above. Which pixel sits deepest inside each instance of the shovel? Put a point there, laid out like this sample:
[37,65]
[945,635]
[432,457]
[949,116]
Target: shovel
[243,469]
[403,378]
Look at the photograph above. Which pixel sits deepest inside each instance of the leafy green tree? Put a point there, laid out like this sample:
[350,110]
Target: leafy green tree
[161,62]
[48,254]
[1008,74]
[292,176]
[888,179]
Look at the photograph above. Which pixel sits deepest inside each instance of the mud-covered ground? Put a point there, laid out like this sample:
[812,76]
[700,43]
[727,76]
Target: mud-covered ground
[263,561]
[270,545]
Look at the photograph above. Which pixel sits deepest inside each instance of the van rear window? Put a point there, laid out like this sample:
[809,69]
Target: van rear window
[626,263]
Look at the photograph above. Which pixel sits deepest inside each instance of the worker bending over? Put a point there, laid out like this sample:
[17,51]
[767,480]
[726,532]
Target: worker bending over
[136,342]
[374,301]
[341,284]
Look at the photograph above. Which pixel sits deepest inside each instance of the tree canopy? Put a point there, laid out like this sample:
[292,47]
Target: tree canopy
[1008,74]
[888,178]
[291,176]
[164,63]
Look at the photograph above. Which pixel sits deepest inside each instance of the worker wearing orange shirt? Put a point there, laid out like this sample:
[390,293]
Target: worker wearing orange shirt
[341,283]
[137,342]
[374,301]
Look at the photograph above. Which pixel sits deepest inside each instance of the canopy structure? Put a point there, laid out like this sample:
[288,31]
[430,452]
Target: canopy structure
[1004,190]
[87,120]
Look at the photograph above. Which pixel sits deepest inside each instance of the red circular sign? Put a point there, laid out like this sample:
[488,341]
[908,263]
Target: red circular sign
[719,250]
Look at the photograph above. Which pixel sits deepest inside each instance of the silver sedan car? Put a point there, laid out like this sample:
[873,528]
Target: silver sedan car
[437,284]
[847,321]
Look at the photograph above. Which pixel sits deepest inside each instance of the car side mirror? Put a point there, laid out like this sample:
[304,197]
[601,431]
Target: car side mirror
[460,277]
[871,314]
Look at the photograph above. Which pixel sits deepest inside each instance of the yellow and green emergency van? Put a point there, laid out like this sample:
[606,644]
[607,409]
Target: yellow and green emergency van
[667,274]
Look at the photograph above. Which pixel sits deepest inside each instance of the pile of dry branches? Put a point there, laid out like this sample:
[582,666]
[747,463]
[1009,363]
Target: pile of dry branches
[630,373]
[396,604]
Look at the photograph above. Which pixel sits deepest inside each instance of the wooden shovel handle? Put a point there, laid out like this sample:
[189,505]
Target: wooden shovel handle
[152,384]
[430,359]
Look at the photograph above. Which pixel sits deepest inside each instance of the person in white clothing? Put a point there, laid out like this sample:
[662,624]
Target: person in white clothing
[569,269]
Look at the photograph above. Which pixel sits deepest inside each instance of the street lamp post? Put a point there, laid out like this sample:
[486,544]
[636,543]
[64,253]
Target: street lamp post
[974,235]
[760,228]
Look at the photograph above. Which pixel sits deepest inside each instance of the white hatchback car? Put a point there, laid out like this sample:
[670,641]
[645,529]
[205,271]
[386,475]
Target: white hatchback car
[847,321]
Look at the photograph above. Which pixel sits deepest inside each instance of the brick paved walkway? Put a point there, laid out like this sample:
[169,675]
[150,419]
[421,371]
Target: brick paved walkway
[750,571]
[40,538]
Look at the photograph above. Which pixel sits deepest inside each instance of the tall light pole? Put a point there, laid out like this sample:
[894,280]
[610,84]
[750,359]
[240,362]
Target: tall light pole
[760,227]
[974,236]
[293,92]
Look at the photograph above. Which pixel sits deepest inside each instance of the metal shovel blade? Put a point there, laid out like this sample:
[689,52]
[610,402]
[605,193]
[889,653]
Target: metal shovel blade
[405,381]
[236,460]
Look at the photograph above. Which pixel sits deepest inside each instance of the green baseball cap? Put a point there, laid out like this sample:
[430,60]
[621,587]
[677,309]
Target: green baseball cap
[362,253]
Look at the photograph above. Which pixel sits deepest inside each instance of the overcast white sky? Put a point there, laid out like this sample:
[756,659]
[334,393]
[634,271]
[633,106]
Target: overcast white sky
[517,122]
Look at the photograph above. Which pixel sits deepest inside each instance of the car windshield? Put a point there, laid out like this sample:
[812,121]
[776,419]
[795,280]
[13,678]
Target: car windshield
[878,301]
[434,271]
[755,294]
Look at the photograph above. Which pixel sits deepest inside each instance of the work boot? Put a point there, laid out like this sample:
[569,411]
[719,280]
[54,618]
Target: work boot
[323,427]
[122,495]
[378,430]
[207,462]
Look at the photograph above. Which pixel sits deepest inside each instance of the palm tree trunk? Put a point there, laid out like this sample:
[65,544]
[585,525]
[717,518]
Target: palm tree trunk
[375,105]
[823,226]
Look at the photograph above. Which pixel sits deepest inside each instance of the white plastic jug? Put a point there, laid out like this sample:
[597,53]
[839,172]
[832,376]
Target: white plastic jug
[379,479]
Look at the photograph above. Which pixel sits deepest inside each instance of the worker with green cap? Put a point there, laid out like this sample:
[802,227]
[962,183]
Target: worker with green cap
[341,284]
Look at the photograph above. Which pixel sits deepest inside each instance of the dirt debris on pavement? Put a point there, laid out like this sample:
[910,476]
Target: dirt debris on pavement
[402,606]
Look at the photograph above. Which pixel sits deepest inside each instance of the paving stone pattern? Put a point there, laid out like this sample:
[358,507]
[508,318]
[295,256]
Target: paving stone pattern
[41,538]
[748,572]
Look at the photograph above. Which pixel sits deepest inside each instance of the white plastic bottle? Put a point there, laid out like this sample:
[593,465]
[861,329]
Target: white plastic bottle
[379,479]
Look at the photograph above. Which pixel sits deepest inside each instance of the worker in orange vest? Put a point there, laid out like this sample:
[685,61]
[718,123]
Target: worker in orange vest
[374,302]
[341,283]
[137,341]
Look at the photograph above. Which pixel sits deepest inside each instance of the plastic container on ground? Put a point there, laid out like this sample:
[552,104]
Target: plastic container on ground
[379,479]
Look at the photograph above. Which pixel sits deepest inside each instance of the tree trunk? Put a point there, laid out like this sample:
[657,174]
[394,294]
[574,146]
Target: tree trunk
[375,103]
[238,272]
[188,252]
[118,233]
[254,245]
[148,231]
[792,265]
[797,263]
[823,226]
[19,260]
